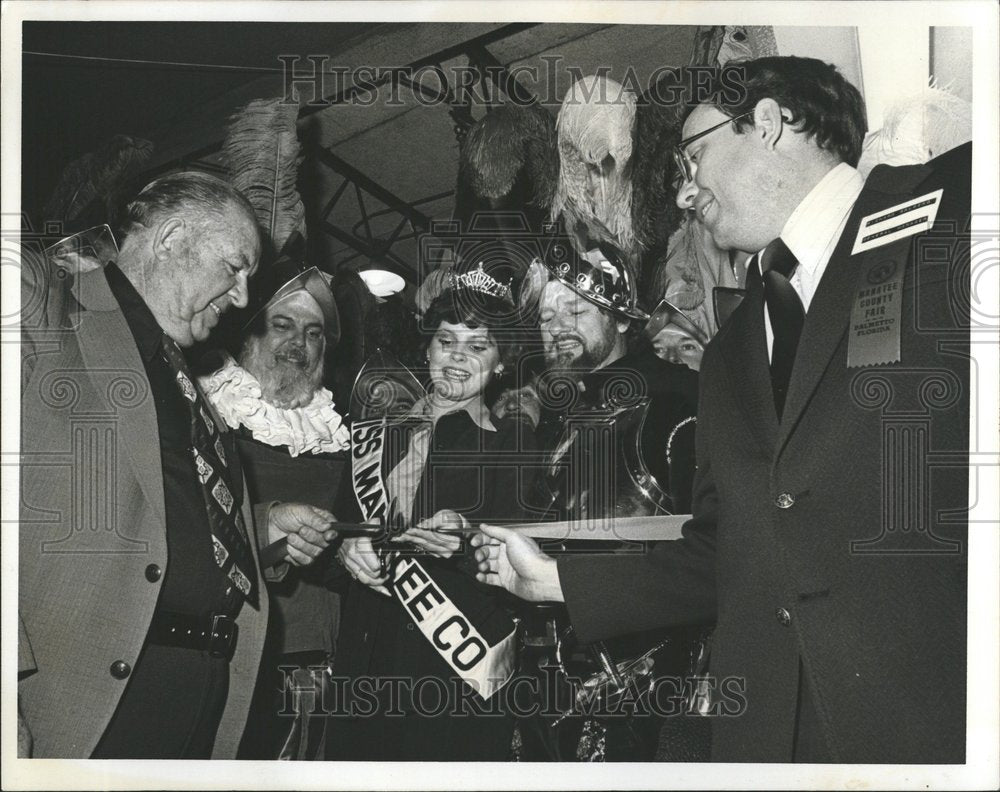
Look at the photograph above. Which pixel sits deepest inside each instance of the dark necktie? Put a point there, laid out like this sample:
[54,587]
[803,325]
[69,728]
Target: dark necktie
[784,308]
[229,535]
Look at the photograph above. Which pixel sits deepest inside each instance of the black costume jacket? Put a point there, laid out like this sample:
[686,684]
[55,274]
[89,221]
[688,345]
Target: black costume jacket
[592,476]
[304,612]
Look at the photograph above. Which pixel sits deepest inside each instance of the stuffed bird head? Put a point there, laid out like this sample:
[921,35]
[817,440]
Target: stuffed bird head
[594,195]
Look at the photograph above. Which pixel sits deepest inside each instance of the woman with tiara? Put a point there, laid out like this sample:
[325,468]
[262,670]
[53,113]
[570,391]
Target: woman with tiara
[425,651]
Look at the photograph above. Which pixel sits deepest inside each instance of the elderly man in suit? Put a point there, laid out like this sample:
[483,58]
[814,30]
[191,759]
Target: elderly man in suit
[141,604]
[828,538]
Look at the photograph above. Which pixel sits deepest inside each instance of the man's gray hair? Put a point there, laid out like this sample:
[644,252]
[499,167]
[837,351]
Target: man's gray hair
[184,191]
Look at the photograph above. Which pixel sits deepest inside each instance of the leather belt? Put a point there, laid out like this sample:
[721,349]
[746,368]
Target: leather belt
[215,634]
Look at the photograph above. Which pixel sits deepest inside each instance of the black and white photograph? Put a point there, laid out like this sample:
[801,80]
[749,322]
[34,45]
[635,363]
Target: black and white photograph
[453,395]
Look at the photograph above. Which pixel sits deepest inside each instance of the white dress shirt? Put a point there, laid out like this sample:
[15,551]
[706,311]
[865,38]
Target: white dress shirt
[813,230]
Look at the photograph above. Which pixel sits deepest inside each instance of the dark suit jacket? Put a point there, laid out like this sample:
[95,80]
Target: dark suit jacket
[92,519]
[861,573]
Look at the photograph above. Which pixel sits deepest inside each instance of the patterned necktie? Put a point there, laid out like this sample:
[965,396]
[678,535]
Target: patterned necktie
[784,308]
[229,535]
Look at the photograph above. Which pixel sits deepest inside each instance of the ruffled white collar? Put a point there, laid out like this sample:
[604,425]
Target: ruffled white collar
[236,394]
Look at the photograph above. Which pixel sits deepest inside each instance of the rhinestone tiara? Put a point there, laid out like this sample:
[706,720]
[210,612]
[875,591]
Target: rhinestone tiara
[479,281]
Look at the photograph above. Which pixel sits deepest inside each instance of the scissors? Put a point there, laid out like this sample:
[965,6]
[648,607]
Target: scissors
[384,536]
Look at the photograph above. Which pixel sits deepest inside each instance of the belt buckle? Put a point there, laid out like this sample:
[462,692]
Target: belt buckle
[222,639]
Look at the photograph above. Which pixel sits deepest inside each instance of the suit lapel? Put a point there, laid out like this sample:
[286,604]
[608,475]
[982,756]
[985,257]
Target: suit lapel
[745,353]
[106,343]
[830,311]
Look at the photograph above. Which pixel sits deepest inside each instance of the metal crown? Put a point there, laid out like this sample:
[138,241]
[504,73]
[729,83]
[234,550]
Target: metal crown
[479,281]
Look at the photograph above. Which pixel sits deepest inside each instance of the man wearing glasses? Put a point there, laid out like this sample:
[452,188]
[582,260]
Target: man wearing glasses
[826,544]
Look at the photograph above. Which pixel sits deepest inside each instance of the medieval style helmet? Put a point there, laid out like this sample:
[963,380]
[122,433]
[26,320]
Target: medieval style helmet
[294,275]
[601,275]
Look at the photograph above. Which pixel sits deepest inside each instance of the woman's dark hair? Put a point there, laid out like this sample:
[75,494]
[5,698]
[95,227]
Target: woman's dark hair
[476,309]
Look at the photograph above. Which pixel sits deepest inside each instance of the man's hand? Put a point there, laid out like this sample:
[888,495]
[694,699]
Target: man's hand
[307,528]
[432,534]
[362,563]
[515,562]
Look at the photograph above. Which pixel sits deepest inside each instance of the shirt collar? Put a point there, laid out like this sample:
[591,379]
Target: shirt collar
[476,410]
[146,331]
[818,218]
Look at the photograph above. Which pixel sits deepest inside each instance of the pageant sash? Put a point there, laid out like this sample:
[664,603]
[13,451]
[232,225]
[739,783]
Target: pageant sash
[367,440]
[485,668]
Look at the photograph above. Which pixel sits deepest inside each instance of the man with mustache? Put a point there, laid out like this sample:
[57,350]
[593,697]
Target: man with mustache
[601,373]
[142,609]
[591,335]
[293,446]
[287,356]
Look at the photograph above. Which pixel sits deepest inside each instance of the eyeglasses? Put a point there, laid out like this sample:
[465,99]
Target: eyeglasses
[683,163]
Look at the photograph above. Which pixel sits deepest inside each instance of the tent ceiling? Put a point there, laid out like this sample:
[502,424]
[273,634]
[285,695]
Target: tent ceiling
[401,159]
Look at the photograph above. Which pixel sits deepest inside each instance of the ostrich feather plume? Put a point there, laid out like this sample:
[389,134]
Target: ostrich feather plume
[917,128]
[263,154]
[504,144]
[101,175]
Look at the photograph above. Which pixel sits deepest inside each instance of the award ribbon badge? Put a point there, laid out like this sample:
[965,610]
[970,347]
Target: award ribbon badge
[878,302]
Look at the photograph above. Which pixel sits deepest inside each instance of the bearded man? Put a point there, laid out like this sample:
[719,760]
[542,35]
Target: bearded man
[618,424]
[286,354]
[291,441]
[590,323]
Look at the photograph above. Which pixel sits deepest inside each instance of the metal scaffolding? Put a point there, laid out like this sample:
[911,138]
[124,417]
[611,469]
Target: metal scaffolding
[491,76]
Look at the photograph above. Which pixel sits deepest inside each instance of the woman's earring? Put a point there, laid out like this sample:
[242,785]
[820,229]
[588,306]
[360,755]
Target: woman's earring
[498,370]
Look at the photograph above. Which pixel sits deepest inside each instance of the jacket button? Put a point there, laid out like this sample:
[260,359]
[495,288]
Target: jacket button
[153,573]
[784,501]
[120,669]
[783,616]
